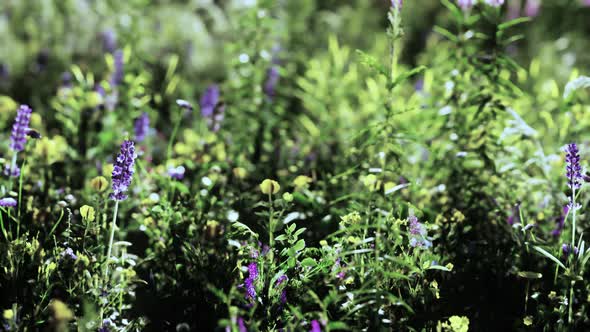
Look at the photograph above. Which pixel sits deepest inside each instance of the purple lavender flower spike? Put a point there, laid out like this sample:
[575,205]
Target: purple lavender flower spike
[272,79]
[249,282]
[18,137]
[123,171]
[495,3]
[118,74]
[315,326]
[142,127]
[209,100]
[573,170]
[8,202]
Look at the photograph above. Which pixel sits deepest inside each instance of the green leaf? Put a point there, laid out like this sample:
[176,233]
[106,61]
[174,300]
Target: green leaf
[338,326]
[548,255]
[446,33]
[308,262]
[438,267]
[529,275]
[300,245]
[514,22]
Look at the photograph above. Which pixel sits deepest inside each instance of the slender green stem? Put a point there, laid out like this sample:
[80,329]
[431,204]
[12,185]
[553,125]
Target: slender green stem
[172,138]
[112,237]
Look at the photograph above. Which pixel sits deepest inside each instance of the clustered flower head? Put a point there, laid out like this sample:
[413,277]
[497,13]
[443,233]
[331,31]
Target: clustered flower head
[573,170]
[209,100]
[8,202]
[18,137]
[142,127]
[123,170]
[418,233]
[249,282]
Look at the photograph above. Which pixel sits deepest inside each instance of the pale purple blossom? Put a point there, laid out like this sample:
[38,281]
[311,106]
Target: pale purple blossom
[8,202]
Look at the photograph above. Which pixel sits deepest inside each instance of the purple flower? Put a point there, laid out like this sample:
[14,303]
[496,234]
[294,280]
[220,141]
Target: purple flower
[123,171]
[465,4]
[567,249]
[11,171]
[118,74]
[418,233]
[109,41]
[176,173]
[209,100]
[212,109]
[532,8]
[272,79]
[397,4]
[18,137]
[8,202]
[142,127]
[416,228]
[586,3]
[495,3]
[315,326]
[573,170]
[241,325]
[69,253]
[249,282]
[280,281]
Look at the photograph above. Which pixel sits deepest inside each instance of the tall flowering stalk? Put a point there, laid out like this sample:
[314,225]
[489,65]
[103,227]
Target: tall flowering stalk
[573,172]
[18,137]
[121,179]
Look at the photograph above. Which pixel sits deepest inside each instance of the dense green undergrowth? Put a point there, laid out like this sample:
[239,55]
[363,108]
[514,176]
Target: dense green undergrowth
[308,165]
